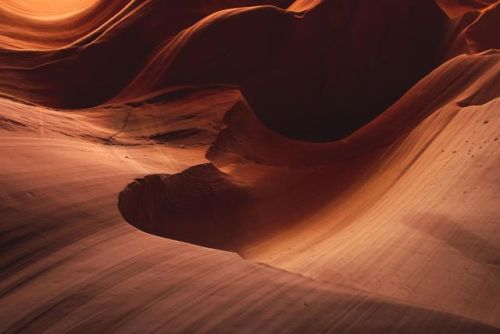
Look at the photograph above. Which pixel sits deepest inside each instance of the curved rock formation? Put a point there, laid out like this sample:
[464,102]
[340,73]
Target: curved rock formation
[347,150]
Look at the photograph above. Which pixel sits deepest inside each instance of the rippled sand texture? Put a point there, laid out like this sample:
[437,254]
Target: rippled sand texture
[301,166]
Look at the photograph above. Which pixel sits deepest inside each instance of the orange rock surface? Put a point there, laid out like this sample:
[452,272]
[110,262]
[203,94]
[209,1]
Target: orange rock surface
[250,166]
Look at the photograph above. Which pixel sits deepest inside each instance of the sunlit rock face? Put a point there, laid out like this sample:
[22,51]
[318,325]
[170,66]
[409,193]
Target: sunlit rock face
[46,9]
[250,166]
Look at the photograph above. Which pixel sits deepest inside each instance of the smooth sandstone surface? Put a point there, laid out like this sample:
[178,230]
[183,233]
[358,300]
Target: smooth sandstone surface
[249,166]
